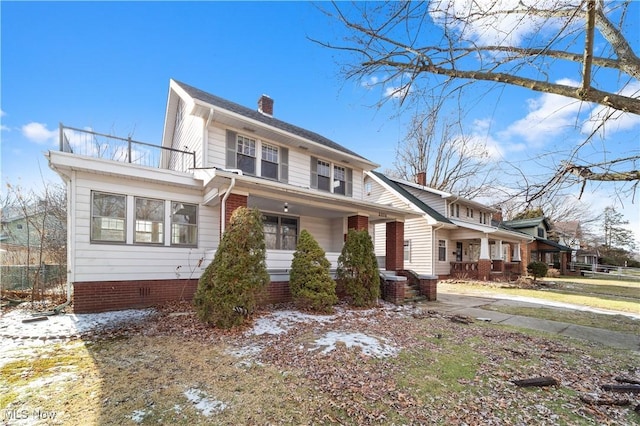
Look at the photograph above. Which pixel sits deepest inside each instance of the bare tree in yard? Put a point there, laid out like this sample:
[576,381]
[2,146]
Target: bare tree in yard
[453,162]
[410,47]
[43,215]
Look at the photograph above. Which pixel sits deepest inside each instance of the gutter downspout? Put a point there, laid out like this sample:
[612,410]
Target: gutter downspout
[223,203]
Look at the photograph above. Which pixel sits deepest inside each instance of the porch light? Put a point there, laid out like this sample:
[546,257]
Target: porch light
[286,207]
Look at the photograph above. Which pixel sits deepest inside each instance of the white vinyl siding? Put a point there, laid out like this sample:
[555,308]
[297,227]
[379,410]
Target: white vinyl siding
[434,201]
[126,262]
[187,136]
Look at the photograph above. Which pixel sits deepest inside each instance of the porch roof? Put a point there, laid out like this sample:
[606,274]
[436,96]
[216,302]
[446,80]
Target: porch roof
[553,244]
[495,232]
[313,202]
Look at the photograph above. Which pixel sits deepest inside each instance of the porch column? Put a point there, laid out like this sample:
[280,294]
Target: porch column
[358,222]
[394,256]
[233,202]
[484,262]
[498,250]
[484,248]
[516,253]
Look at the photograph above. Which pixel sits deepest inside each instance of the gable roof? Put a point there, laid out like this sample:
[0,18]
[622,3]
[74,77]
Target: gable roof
[219,102]
[527,223]
[399,188]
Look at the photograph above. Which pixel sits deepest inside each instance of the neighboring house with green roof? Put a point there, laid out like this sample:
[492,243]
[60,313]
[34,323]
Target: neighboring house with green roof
[453,236]
[542,249]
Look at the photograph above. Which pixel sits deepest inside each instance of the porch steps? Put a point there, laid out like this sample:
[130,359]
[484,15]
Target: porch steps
[412,293]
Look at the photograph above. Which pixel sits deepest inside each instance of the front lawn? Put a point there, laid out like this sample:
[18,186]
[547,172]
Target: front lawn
[378,366]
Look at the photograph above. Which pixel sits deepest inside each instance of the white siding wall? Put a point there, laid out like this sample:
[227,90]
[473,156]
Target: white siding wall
[434,201]
[419,233]
[443,268]
[104,261]
[216,147]
[188,135]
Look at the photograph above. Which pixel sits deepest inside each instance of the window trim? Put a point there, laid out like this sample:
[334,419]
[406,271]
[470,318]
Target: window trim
[406,247]
[242,139]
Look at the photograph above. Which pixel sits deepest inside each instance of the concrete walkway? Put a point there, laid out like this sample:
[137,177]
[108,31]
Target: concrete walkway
[471,306]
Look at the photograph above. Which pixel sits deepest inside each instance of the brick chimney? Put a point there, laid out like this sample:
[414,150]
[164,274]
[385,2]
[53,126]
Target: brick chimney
[497,216]
[421,178]
[265,105]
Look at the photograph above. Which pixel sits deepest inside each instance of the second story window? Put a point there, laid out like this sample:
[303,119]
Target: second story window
[246,155]
[324,175]
[541,232]
[269,161]
[454,210]
[330,177]
[339,180]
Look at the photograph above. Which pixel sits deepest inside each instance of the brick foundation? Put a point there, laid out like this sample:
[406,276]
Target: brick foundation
[276,292]
[115,295]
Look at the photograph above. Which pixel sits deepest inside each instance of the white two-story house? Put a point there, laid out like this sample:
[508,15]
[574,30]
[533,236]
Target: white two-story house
[145,220]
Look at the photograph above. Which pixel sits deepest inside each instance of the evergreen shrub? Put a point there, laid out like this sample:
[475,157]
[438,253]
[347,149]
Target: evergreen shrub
[229,287]
[358,269]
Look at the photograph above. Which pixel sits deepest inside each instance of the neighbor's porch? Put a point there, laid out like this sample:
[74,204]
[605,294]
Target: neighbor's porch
[486,259]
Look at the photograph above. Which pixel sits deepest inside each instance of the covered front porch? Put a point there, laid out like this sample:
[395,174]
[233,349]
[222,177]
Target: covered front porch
[287,211]
[487,254]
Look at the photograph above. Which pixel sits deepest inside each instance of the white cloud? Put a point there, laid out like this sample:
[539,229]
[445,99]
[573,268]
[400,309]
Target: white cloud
[38,133]
[370,82]
[486,22]
[2,113]
[608,121]
[548,116]
[4,128]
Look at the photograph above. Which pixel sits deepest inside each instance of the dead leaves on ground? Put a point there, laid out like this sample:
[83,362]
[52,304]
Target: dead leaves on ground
[365,390]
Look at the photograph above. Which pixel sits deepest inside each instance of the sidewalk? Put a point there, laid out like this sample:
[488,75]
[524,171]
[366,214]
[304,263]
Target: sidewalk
[470,306]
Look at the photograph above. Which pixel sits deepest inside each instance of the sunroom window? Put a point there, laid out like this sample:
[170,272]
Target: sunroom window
[108,217]
[184,224]
[149,221]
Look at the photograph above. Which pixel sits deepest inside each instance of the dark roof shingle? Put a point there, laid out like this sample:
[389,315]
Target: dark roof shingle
[265,119]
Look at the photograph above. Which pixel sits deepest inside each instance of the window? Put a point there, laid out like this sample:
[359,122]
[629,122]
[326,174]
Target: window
[367,188]
[442,250]
[541,232]
[280,233]
[108,217]
[455,210]
[324,175]
[149,221]
[184,224]
[339,180]
[485,218]
[469,212]
[246,154]
[407,250]
[269,161]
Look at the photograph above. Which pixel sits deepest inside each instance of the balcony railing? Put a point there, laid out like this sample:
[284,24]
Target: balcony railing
[126,150]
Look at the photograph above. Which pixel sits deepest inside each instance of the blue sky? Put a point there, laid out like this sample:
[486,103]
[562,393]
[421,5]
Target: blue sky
[107,66]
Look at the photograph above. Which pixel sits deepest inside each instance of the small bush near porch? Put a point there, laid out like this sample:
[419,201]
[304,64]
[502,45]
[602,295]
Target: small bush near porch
[358,269]
[228,289]
[312,287]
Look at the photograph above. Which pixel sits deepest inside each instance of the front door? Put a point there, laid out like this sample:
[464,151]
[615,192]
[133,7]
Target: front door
[458,252]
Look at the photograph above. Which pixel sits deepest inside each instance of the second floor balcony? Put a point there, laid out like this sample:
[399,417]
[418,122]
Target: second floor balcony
[126,150]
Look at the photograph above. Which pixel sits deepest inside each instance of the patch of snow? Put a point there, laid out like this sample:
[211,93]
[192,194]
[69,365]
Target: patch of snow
[279,322]
[247,354]
[371,346]
[138,416]
[203,403]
